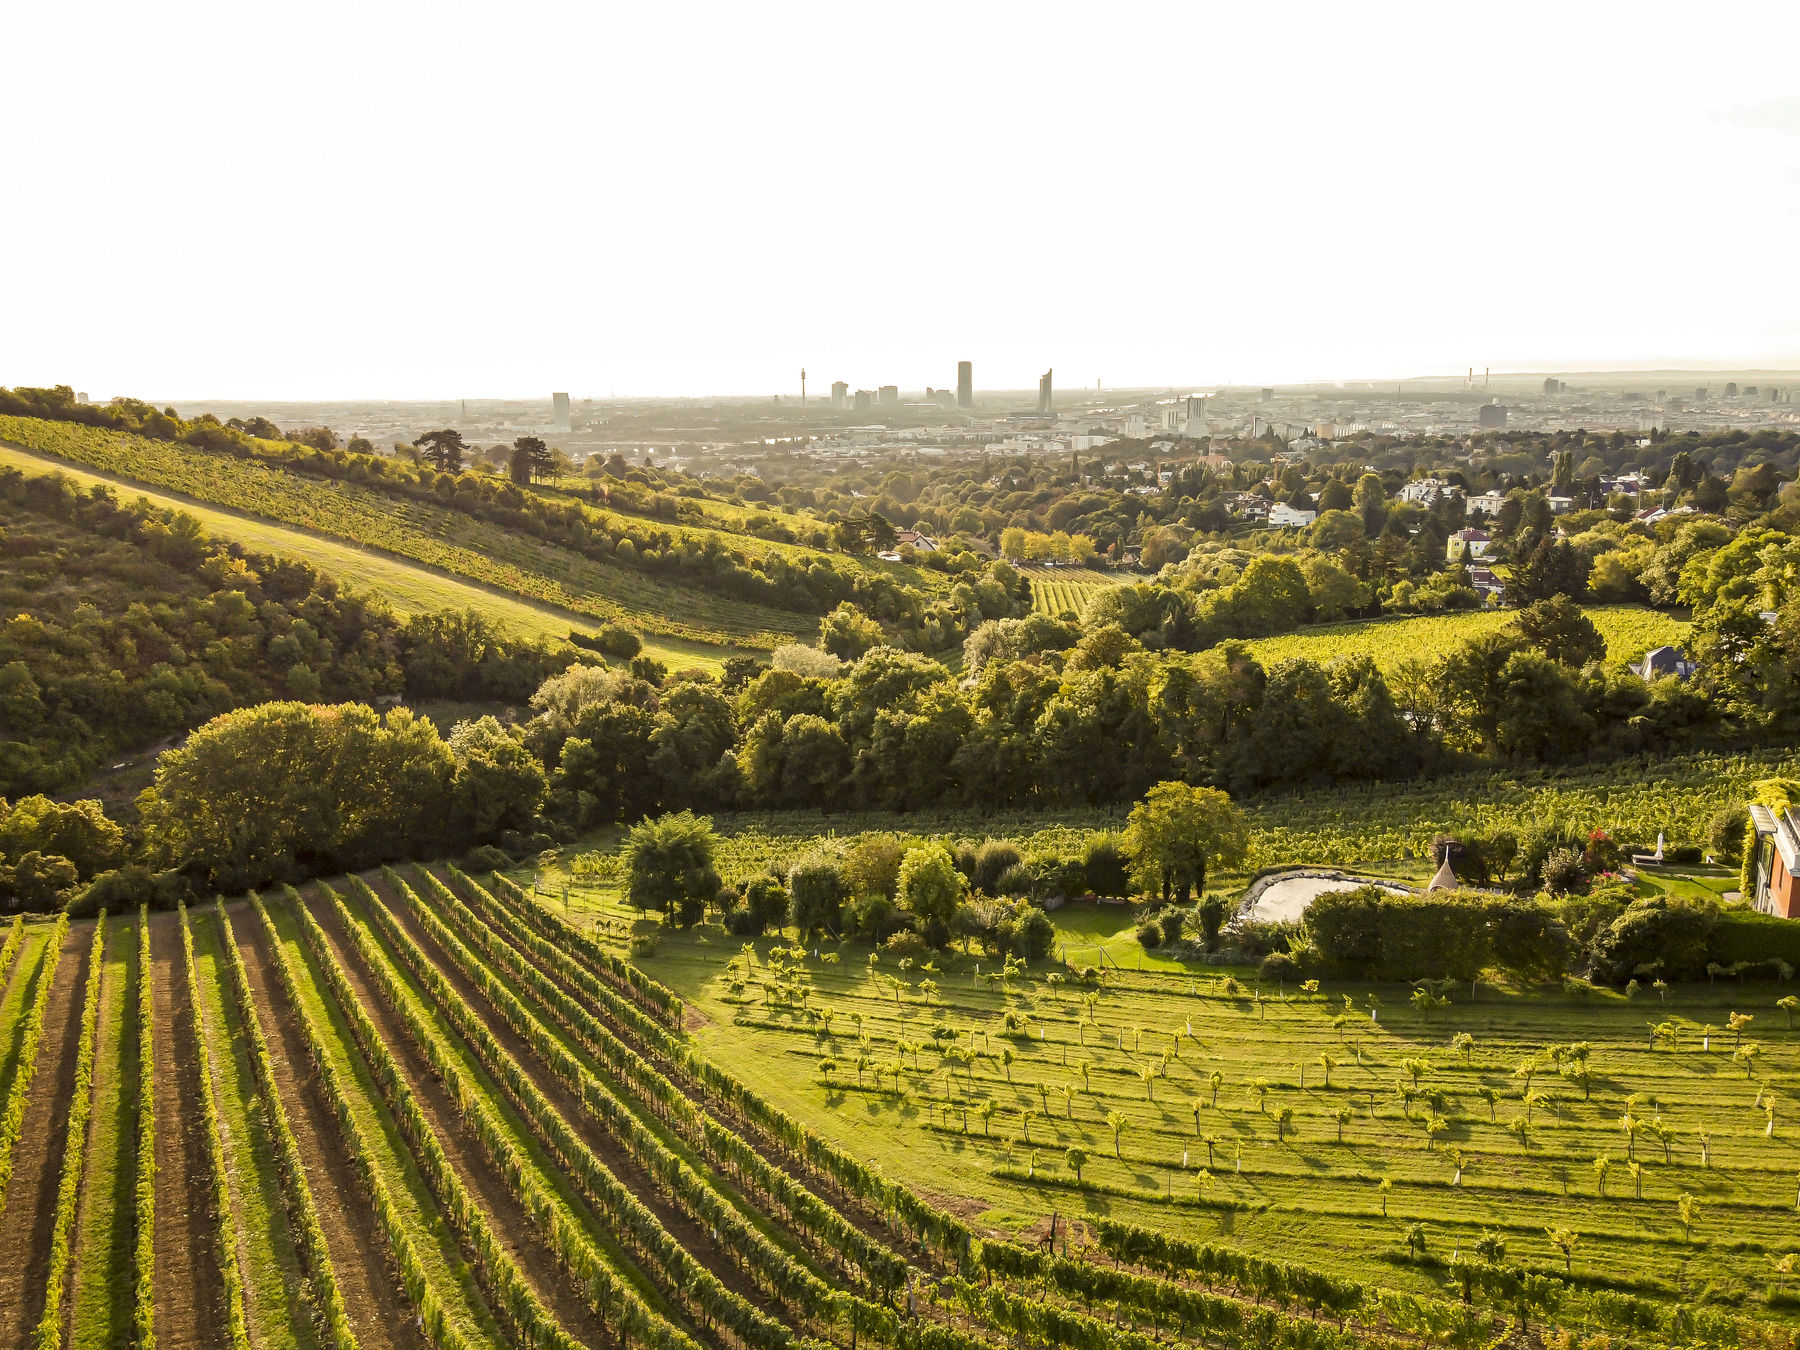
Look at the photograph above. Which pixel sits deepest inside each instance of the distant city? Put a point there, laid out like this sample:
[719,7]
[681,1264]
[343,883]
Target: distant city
[731,434]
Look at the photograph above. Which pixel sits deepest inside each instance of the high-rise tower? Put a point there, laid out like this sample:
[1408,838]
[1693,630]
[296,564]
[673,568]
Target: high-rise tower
[965,384]
[1044,397]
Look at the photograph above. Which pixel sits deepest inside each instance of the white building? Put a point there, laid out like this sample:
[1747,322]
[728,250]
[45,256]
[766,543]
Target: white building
[1282,514]
[1488,503]
[1425,491]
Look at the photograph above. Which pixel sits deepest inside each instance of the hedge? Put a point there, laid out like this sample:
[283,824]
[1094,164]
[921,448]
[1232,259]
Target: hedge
[1754,937]
[12,1116]
[144,1257]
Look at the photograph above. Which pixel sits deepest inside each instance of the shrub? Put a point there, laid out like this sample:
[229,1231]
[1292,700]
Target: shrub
[993,860]
[487,858]
[1565,871]
[1105,865]
[1150,934]
[1668,936]
[816,894]
[767,898]
[743,921]
[1279,967]
[1019,879]
[905,943]
[872,867]
[1212,909]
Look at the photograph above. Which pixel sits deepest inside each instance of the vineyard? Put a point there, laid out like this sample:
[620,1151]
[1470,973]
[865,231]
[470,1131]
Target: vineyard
[1629,630]
[435,537]
[421,1110]
[1355,825]
[1066,590]
[409,588]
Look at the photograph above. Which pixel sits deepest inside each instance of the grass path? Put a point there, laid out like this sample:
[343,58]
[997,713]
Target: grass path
[274,1294]
[104,1248]
[410,588]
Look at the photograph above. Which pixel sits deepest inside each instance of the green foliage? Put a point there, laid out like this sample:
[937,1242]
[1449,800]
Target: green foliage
[1371,933]
[1182,831]
[816,892]
[12,1109]
[669,866]
[285,788]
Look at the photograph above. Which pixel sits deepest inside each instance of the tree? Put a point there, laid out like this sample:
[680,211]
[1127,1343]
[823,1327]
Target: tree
[816,890]
[1564,1240]
[1557,627]
[530,459]
[847,632]
[444,449]
[1078,1159]
[1182,831]
[930,886]
[284,790]
[669,866]
[78,831]
[1555,567]
[1116,1123]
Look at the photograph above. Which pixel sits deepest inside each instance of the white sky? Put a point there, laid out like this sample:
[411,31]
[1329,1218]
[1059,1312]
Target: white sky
[340,200]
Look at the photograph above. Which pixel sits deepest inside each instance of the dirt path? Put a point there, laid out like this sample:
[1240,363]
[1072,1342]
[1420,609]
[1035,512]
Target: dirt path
[189,1292]
[512,1225]
[380,1313]
[694,1237]
[30,1213]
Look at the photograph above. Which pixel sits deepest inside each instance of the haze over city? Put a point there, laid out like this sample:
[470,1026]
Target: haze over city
[422,202]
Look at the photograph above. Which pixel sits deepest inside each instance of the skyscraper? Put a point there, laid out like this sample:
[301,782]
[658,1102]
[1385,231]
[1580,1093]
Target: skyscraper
[839,392]
[560,407]
[1044,399]
[965,384]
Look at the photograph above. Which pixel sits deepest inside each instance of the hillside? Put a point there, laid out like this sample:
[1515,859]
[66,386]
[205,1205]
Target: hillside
[410,587]
[436,537]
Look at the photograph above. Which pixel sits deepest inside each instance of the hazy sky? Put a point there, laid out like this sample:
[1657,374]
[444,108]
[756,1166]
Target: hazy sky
[420,201]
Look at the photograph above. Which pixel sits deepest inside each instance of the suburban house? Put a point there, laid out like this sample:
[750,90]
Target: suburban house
[1776,860]
[1425,491]
[1486,584]
[924,543]
[1283,514]
[1488,503]
[1559,504]
[1660,661]
[1477,541]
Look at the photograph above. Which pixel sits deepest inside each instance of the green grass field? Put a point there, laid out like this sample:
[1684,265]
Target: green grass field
[409,587]
[1629,630]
